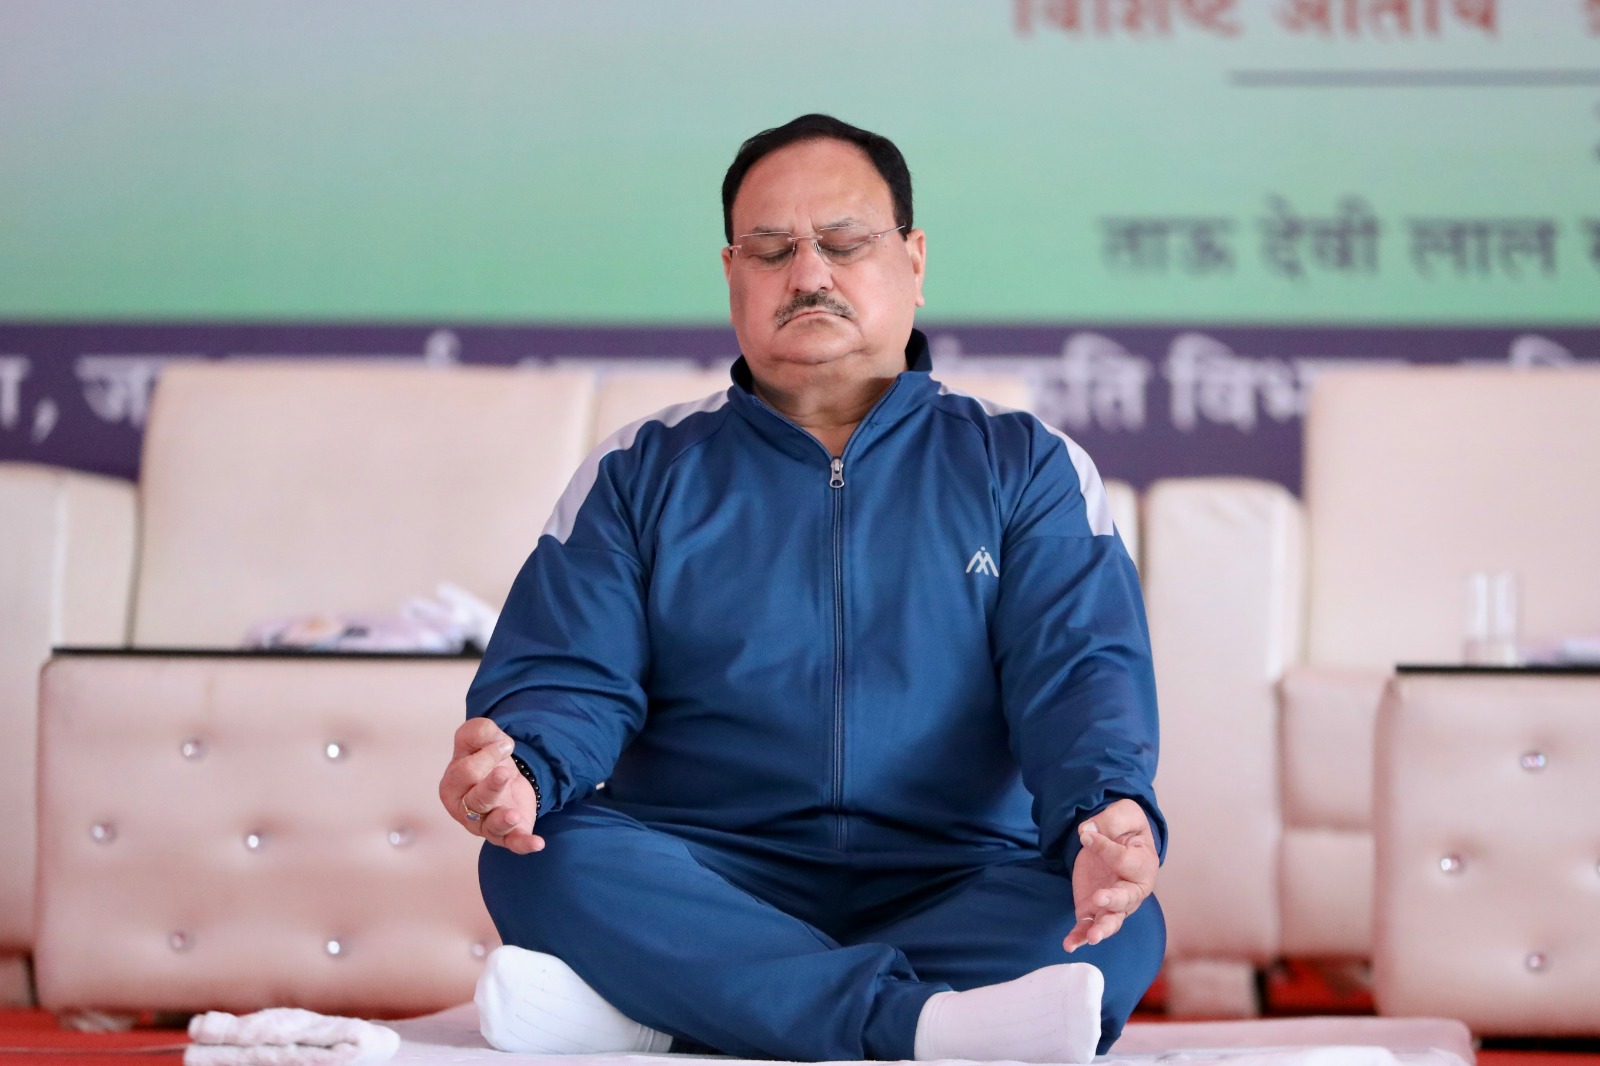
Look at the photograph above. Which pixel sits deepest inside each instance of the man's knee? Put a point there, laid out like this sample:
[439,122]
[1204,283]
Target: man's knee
[590,856]
[1130,961]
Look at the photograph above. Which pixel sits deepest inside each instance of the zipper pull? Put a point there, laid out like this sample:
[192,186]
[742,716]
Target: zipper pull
[837,480]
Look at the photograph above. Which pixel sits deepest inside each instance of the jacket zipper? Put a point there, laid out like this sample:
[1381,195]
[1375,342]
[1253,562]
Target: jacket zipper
[836,482]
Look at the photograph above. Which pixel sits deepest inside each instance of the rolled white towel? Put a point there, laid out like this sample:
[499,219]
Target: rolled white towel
[286,1036]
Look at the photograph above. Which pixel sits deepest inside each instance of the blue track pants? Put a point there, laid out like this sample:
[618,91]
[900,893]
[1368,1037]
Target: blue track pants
[765,950]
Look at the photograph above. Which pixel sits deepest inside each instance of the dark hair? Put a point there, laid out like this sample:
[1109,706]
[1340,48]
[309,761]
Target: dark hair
[890,164]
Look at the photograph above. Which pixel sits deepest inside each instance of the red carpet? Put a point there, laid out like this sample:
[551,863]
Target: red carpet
[33,1037]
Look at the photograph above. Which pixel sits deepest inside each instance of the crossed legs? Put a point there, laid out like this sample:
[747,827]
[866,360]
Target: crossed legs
[722,944]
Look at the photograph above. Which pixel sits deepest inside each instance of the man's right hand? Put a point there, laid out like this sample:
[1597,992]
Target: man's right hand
[481,778]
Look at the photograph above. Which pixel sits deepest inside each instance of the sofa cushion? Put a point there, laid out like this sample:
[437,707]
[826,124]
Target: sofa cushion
[1327,893]
[274,490]
[1326,741]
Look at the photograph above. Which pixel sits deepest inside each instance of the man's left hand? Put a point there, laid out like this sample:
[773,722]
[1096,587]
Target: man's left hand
[1114,872]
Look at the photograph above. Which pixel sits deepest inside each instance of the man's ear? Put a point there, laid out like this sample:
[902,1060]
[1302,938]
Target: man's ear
[917,249]
[727,275]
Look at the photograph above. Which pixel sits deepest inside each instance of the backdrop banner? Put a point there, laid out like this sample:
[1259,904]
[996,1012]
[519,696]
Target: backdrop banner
[1145,401]
[1206,162]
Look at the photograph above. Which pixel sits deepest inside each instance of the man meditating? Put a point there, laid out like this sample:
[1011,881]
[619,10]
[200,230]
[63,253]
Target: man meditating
[820,724]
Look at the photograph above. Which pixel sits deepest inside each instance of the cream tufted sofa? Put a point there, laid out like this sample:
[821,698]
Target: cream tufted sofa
[225,831]
[1277,626]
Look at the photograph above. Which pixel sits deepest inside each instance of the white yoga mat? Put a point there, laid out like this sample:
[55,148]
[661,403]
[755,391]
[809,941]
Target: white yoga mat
[451,1036]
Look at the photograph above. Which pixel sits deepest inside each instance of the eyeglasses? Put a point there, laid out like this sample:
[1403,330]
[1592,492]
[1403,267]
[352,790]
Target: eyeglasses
[840,246]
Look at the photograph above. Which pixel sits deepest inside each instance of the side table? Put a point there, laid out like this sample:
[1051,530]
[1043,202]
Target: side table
[1487,829]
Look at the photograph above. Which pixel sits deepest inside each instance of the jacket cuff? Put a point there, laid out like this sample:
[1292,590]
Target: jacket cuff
[530,764]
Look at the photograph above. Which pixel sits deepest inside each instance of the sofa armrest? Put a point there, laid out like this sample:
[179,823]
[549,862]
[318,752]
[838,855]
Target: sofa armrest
[65,578]
[1223,576]
[242,832]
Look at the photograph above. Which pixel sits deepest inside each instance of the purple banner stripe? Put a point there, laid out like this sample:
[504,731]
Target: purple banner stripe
[1146,401]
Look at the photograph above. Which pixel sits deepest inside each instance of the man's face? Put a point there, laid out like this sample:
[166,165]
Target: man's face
[811,320]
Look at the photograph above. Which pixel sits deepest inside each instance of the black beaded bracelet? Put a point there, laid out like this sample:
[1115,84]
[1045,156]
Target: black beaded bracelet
[538,801]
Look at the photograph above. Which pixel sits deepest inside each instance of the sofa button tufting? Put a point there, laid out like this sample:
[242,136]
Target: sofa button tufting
[255,840]
[334,948]
[401,836]
[334,751]
[1537,962]
[1452,864]
[180,941]
[1533,760]
[103,832]
[192,749]
[479,949]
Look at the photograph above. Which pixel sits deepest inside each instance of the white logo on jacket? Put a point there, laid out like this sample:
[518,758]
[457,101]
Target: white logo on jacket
[982,563]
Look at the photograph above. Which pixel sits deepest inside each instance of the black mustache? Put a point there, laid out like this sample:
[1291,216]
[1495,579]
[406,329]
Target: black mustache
[807,301]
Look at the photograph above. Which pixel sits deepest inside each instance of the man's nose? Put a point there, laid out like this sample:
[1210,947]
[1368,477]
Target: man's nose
[808,270]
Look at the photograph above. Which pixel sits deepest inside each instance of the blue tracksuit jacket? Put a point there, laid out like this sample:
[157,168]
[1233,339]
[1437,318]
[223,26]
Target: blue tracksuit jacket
[936,642]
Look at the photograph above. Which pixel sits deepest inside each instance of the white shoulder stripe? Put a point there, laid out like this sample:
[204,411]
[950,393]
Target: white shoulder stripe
[1097,504]
[566,513]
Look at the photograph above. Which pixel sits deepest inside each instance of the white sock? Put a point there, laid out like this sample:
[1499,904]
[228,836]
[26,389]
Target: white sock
[533,1002]
[1049,1015]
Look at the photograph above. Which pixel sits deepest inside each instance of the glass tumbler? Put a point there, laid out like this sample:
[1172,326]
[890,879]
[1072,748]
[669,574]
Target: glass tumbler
[1492,619]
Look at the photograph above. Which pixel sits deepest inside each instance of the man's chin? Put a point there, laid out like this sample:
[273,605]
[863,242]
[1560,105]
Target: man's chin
[818,344]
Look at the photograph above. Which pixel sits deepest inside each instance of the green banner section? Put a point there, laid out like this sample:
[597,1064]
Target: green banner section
[1427,162]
